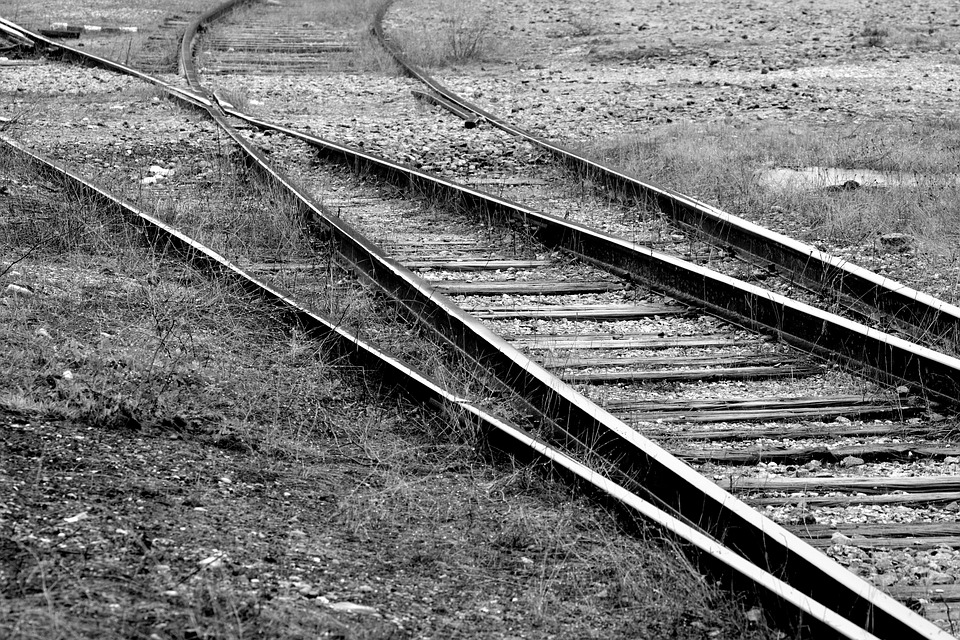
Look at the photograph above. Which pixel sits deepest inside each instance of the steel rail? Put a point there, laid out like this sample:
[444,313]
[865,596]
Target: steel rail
[15,35]
[160,234]
[187,68]
[925,314]
[669,482]
[469,119]
[773,593]
[185,97]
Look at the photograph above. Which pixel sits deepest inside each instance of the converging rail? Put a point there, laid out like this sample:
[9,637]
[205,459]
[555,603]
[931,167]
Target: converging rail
[605,436]
[934,320]
[411,382]
[817,595]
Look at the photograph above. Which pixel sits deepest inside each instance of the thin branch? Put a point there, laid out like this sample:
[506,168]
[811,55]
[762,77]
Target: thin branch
[26,255]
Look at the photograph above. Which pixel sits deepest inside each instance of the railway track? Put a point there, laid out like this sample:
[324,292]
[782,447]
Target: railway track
[597,329]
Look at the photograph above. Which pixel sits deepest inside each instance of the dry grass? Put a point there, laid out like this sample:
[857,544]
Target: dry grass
[718,163]
[910,38]
[128,341]
[874,36]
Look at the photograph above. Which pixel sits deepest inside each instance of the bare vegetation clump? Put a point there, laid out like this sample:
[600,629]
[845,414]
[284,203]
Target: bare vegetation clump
[928,38]
[38,215]
[583,26]
[461,32]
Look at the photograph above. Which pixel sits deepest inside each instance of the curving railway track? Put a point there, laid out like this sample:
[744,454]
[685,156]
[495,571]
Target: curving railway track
[599,339]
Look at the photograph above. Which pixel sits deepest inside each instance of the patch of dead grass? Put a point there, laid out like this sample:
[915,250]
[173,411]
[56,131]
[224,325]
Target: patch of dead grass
[718,164]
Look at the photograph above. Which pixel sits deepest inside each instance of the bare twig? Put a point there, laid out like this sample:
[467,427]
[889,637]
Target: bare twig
[39,243]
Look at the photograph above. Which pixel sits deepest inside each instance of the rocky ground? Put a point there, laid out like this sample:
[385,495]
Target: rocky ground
[582,76]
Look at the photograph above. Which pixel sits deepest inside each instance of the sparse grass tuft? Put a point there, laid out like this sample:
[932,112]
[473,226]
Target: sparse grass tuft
[238,98]
[31,217]
[467,33]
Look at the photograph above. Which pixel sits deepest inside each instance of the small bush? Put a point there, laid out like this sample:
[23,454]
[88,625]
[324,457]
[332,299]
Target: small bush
[581,27]
[461,33]
[466,33]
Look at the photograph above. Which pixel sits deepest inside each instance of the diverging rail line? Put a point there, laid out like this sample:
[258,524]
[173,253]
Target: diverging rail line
[924,315]
[776,596]
[659,475]
[662,478]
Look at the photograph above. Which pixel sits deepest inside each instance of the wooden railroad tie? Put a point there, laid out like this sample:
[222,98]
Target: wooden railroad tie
[859,485]
[765,409]
[576,312]
[806,430]
[866,452]
[914,497]
[699,375]
[628,340]
[526,287]
[748,359]
[916,535]
[456,264]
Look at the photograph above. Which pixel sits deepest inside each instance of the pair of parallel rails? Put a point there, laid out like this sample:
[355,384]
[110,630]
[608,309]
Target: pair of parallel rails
[800,587]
